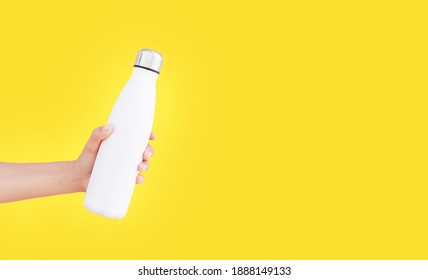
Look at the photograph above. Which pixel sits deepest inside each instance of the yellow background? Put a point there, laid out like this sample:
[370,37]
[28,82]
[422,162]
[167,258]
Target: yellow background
[285,130]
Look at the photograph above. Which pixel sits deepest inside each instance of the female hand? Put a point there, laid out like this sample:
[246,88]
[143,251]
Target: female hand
[84,164]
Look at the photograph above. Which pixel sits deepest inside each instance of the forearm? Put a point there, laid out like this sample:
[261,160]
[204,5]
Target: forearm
[30,180]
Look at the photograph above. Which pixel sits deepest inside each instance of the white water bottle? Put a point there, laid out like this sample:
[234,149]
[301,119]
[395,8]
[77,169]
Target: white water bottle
[112,182]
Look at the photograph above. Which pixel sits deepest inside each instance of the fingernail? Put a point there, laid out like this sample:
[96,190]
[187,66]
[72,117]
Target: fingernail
[108,127]
[142,167]
[140,179]
[149,154]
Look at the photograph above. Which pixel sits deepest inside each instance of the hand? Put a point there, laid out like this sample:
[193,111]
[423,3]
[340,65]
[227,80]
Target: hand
[84,164]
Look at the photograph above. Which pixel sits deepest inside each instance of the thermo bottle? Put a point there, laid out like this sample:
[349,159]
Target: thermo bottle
[112,181]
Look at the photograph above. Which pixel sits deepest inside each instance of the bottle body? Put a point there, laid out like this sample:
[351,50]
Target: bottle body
[112,181]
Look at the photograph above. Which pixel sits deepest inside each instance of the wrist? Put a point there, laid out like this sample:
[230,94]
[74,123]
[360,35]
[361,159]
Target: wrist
[78,179]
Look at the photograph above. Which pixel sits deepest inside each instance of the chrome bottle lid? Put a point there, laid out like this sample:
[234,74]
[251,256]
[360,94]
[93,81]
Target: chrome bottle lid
[149,60]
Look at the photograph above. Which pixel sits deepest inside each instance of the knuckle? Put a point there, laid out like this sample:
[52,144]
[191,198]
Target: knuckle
[96,132]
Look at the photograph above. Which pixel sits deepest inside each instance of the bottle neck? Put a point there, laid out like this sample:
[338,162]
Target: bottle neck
[145,73]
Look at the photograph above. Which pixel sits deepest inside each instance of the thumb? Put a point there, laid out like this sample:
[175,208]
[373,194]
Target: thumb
[97,136]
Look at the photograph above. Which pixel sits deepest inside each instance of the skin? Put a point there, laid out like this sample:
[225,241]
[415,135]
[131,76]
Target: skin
[20,181]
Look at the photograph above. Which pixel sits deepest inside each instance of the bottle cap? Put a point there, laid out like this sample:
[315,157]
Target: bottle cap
[149,60]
